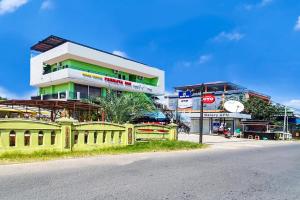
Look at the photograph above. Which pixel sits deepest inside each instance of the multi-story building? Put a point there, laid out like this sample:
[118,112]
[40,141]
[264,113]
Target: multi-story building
[63,69]
[214,114]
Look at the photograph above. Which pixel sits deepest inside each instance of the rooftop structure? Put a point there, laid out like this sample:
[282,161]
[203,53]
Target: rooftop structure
[220,87]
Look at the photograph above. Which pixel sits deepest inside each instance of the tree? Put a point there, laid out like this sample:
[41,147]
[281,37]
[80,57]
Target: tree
[262,110]
[125,107]
[2,99]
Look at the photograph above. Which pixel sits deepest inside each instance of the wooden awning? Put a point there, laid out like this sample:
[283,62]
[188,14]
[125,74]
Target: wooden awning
[48,43]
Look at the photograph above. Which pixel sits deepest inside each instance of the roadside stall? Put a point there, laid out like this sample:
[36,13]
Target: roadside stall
[260,130]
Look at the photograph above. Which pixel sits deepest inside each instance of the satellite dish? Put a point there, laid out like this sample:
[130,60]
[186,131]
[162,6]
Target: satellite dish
[234,106]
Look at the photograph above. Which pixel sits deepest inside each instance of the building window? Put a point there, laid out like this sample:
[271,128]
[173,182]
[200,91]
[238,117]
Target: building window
[76,137]
[82,89]
[27,138]
[124,77]
[95,137]
[119,76]
[94,91]
[86,137]
[41,138]
[53,136]
[12,138]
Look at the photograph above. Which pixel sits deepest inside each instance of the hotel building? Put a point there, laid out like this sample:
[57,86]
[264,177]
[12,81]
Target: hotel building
[65,70]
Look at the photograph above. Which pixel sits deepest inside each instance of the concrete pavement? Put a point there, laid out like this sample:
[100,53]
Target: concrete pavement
[269,172]
[220,142]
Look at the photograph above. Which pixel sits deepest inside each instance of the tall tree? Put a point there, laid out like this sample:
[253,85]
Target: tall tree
[262,110]
[125,107]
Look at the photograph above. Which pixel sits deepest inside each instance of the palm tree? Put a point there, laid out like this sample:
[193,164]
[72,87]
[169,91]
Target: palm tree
[125,107]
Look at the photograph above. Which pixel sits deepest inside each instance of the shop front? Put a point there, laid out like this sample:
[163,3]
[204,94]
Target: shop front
[216,122]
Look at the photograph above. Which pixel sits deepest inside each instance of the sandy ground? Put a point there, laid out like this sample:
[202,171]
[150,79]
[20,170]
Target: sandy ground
[219,142]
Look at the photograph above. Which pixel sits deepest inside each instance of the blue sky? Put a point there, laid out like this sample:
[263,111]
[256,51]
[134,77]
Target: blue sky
[254,43]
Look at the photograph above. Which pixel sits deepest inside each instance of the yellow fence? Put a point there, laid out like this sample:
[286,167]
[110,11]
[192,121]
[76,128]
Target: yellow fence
[67,134]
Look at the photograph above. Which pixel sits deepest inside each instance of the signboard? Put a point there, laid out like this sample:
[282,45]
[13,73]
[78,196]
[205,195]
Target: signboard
[219,115]
[186,94]
[185,103]
[114,82]
[208,98]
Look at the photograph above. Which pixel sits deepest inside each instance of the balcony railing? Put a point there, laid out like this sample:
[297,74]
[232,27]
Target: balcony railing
[48,70]
[62,96]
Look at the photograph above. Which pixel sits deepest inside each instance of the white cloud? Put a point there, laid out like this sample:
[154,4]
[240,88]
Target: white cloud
[265,3]
[184,64]
[10,95]
[261,4]
[47,4]
[120,53]
[297,25]
[294,103]
[204,58]
[231,36]
[8,6]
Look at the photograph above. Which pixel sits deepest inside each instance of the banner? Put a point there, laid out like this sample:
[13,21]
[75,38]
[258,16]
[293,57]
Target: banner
[185,103]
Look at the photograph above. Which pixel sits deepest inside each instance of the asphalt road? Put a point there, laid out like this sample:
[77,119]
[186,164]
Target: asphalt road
[255,173]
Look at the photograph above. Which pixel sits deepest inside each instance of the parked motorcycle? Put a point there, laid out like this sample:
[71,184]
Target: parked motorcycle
[227,133]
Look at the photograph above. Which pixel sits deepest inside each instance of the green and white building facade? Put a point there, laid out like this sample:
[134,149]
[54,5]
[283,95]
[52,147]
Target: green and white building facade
[66,70]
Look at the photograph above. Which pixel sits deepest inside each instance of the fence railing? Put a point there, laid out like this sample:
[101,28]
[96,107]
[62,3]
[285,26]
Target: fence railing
[67,134]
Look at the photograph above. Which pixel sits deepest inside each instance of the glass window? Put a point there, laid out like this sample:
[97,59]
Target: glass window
[83,89]
[94,91]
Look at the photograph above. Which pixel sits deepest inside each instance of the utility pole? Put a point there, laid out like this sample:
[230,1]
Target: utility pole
[284,121]
[201,115]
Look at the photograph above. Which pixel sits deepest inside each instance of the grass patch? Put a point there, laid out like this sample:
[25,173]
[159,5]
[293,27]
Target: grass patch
[152,146]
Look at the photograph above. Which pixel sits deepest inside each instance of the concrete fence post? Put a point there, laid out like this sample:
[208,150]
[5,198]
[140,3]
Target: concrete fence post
[129,134]
[67,137]
[173,135]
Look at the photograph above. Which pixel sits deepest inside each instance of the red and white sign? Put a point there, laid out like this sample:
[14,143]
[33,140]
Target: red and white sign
[208,98]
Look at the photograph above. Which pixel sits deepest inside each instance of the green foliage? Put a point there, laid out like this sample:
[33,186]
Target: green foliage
[125,107]
[2,99]
[262,110]
[151,146]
